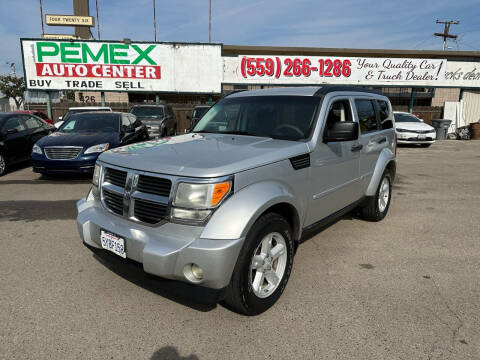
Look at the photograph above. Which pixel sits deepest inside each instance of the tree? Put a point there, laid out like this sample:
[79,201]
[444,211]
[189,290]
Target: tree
[13,87]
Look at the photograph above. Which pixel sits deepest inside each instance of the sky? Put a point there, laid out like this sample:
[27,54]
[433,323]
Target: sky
[387,24]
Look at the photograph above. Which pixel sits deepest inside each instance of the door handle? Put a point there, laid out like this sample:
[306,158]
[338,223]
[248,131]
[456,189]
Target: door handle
[382,140]
[356,147]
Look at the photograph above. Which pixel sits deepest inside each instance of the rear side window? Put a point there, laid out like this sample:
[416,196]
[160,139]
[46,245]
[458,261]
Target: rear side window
[31,122]
[384,115]
[366,115]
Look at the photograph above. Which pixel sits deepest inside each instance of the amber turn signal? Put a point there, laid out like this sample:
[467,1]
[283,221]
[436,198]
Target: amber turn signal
[219,192]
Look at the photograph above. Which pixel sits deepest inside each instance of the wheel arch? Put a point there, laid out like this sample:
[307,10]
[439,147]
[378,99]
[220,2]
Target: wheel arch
[385,160]
[236,216]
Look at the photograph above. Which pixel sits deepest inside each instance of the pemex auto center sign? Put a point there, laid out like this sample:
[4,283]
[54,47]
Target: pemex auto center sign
[118,66]
[201,68]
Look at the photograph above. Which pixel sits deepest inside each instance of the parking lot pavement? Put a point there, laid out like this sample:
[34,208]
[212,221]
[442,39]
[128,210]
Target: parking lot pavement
[405,288]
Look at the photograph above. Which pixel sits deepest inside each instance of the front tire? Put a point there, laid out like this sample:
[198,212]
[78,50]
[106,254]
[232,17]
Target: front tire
[3,164]
[263,266]
[377,206]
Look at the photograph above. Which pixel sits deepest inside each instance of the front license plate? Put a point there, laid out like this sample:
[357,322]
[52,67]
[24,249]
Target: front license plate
[422,137]
[113,243]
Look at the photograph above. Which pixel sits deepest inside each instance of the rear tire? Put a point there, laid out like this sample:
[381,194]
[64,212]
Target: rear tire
[376,207]
[3,165]
[263,266]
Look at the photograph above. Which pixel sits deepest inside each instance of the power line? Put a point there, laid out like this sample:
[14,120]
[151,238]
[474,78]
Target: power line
[446,31]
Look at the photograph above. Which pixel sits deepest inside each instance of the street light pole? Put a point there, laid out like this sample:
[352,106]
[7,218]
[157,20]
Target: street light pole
[98,20]
[41,17]
[154,21]
[209,21]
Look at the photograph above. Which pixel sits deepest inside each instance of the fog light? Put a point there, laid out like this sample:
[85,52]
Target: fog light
[193,272]
[197,271]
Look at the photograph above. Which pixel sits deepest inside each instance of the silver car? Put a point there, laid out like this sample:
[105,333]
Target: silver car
[225,206]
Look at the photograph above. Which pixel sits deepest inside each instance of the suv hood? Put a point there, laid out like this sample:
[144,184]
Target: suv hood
[203,155]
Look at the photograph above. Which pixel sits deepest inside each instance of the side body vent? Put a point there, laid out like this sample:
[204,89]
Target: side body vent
[300,161]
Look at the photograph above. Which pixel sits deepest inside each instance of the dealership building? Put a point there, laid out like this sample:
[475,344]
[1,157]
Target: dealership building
[432,83]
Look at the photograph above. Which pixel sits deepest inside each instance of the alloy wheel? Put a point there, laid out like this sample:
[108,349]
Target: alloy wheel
[268,265]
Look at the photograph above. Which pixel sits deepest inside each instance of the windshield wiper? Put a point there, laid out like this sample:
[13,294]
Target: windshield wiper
[238,132]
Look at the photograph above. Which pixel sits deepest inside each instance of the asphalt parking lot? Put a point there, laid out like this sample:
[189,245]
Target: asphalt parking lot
[405,288]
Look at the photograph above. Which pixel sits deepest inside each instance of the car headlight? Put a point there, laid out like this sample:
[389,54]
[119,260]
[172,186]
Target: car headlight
[96,175]
[402,130]
[97,148]
[37,149]
[195,202]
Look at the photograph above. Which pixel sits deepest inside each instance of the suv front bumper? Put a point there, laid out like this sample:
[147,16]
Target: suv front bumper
[163,250]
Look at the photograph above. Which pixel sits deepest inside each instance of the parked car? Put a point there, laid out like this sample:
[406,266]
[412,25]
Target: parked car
[225,206]
[75,146]
[159,119]
[18,133]
[197,114]
[38,113]
[412,130]
[80,109]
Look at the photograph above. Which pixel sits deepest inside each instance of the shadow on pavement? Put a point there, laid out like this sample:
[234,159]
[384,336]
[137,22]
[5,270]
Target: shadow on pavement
[52,180]
[171,353]
[196,297]
[33,210]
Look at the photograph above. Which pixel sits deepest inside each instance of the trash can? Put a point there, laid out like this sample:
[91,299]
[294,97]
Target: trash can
[441,127]
[475,131]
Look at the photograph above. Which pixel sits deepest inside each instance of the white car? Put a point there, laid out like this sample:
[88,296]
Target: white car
[76,110]
[412,130]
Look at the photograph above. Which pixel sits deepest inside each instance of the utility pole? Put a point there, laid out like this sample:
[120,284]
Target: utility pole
[98,20]
[41,17]
[446,35]
[154,21]
[209,21]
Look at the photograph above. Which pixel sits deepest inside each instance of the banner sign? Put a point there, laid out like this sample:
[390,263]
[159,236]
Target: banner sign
[201,68]
[118,66]
[334,70]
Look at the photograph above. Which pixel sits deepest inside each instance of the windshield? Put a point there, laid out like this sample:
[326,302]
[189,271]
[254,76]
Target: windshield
[406,118]
[278,117]
[78,111]
[145,111]
[83,123]
[199,112]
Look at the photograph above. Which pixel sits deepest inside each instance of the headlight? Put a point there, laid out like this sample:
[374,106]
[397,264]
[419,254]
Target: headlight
[195,201]
[96,175]
[402,130]
[97,148]
[37,149]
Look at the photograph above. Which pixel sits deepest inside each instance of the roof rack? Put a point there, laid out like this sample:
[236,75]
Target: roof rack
[331,88]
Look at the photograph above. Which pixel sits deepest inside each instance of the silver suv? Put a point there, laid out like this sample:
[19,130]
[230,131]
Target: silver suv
[225,206]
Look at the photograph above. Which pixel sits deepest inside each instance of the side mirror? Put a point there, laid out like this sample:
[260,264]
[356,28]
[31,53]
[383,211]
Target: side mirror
[189,117]
[342,131]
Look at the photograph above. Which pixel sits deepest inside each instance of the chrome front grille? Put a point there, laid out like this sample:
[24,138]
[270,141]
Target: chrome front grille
[422,131]
[150,212]
[113,201]
[135,196]
[154,185]
[115,177]
[62,152]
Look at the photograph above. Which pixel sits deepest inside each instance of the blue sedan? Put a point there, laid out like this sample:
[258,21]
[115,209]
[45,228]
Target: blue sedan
[76,145]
